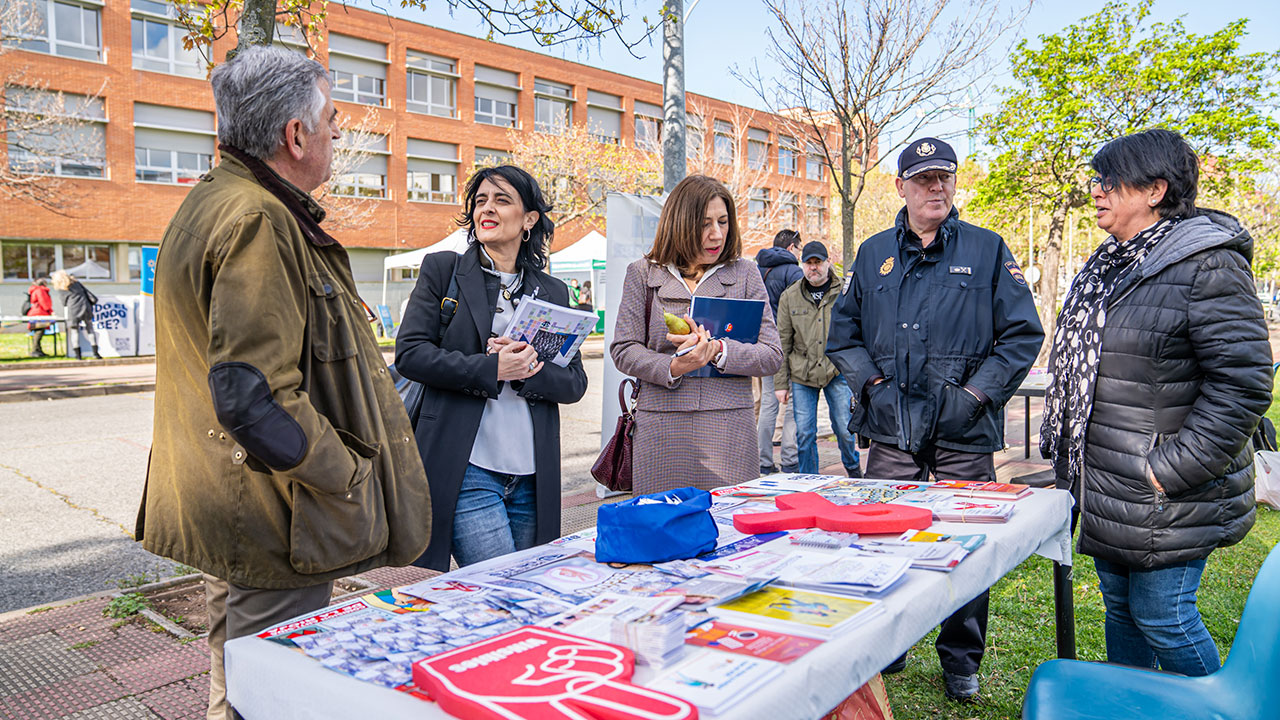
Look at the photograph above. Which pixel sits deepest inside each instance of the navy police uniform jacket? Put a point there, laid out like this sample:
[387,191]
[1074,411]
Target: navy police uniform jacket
[930,321]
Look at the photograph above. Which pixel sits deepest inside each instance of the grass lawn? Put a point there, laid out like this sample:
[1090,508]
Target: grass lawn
[1020,634]
[16,345]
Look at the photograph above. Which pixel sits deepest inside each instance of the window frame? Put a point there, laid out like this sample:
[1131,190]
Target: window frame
[173,43]
[429,106]
[99,122]
[50,36]
[547,94]
[723,130]
[59,262]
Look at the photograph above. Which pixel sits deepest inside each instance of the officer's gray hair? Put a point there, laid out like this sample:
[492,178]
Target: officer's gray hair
[260,91]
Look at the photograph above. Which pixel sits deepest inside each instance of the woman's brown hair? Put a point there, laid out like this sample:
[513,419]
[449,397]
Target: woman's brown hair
[679,237]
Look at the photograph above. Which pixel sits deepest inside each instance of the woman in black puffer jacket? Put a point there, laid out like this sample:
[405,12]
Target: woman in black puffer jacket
[1161,369]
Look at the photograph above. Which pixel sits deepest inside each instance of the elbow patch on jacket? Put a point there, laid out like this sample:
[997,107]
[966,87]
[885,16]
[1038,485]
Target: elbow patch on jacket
[244,405]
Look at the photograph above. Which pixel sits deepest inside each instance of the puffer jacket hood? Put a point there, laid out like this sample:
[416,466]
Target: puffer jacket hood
[775,256]
[779,269]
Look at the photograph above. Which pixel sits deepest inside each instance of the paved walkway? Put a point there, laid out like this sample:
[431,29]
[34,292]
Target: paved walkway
[68,660]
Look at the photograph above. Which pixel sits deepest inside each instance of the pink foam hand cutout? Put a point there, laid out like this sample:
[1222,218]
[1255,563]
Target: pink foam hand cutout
[808,509]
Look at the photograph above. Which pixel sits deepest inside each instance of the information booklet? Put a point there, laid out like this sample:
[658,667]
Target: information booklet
[798,612]
[716,682]
[556,332]
[763,644]
[980,489]
[727,319]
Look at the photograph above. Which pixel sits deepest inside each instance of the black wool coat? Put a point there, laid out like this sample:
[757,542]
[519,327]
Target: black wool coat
[1183,378]
[458,378]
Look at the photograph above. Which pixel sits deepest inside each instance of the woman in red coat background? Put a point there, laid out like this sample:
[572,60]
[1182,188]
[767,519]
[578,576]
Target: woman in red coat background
[41,304]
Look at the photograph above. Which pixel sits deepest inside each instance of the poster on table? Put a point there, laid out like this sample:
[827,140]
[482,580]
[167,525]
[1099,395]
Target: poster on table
[631,222]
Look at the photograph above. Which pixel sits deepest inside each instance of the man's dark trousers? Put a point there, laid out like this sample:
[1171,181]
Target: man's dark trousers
[962,638]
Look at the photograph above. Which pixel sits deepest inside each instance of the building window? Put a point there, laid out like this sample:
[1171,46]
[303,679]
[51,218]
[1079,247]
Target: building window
[361,171]
[648,127]
[814,161]
[171,145]
[488,157]
[359,69]
[55,133]
[157,41]
[135,261]
[433,171]
[497,92]
[432,85]
[60,28]
[604,117]
[552,107]
[790,210]
[757,148]
[787,152]
[28,261]
[695,138]
[816,216]
[725,152]
[757,206]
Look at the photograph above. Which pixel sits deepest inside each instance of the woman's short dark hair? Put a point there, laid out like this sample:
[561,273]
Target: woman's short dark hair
[533,254]
[1138,160]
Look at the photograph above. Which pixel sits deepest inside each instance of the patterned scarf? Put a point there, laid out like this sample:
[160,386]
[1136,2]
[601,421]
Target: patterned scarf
[1077,344]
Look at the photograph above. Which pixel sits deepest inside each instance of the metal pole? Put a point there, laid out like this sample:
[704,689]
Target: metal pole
[674,164]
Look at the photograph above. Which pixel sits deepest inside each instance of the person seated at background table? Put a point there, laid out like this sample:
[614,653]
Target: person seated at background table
[804,315]
[1160,370]
[489,425]
[692,430]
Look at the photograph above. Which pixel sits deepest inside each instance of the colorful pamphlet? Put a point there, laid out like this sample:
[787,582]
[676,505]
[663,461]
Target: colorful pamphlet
[842,572]
[979,489]
[973,510]
[763,644]
[802,612]
[555,332]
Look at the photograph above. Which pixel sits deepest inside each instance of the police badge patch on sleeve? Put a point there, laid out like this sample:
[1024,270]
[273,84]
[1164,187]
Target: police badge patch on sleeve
[1015,271]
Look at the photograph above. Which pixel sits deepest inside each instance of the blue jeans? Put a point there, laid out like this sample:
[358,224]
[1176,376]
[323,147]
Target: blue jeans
[1152,616]
[804,403]
[496,514]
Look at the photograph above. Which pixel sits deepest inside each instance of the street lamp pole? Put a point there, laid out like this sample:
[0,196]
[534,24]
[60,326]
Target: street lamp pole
[674,163]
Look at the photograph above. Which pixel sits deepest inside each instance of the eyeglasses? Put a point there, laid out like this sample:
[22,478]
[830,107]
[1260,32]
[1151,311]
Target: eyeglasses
[1107,184]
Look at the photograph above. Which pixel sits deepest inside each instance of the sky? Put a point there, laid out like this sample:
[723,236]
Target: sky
[722,35]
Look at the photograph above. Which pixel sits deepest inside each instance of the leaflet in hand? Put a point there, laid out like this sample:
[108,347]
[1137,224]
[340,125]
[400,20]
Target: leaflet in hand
[727,319]
[554,331]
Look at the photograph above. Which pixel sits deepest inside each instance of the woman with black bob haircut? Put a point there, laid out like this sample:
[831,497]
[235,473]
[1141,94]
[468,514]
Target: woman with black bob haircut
[1160,371]
[489,425]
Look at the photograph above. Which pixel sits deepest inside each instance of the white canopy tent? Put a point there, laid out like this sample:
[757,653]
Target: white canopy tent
[454,242]
[584,260]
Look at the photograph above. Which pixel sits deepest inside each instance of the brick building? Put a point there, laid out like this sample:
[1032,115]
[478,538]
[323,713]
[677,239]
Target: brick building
[444,103]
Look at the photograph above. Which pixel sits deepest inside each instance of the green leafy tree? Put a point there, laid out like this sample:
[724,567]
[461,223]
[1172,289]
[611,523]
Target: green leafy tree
[1112,74]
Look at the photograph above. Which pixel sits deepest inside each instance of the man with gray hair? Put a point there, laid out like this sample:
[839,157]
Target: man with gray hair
[282,456]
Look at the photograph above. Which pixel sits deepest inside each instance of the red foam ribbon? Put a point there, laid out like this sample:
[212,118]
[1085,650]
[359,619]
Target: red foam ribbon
[806,510]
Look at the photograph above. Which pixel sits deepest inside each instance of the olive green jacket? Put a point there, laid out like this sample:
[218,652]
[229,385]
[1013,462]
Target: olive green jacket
[282,455]
[802,328]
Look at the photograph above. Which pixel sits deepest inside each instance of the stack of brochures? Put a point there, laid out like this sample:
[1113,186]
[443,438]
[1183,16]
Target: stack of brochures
[979,489]
[715,682]
[799,612]
[973,510]
[656,639]
[942,556]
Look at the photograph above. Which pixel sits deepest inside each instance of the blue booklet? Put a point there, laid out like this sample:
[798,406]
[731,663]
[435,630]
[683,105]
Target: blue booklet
[727,318]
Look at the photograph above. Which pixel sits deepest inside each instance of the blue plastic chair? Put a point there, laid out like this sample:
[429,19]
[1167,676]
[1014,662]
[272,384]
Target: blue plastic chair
[1246,687]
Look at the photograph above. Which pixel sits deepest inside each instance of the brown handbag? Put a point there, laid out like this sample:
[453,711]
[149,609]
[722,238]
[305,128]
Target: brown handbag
[613,468]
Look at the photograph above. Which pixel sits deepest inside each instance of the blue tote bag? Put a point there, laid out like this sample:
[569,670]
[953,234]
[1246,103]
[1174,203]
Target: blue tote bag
[672,525]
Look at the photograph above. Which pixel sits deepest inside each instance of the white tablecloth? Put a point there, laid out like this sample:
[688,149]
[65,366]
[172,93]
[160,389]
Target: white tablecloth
[267,681]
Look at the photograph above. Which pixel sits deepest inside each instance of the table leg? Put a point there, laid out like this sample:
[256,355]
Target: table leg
[1026,426]
[1064,611]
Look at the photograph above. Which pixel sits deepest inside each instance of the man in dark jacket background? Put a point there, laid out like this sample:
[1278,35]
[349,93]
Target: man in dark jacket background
[779,268]
[936,331]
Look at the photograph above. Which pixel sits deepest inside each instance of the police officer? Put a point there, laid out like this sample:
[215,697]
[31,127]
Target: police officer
[934,333]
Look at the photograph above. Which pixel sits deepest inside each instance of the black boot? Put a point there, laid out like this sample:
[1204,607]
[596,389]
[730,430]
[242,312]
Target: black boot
[94,348]
[75,353]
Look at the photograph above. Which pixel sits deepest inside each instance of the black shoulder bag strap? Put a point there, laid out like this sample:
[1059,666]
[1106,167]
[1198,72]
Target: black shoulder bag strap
[449,303]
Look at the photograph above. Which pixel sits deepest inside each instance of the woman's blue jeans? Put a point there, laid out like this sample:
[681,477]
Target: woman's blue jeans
[1152,617]
[496,514]
[804,403]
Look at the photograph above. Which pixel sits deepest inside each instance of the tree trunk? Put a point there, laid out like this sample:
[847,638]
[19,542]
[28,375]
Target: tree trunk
[257,25]
[1050,262]
[848,201]
[674,150]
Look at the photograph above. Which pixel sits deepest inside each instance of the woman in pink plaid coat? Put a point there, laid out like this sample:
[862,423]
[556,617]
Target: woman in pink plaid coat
[692,430]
